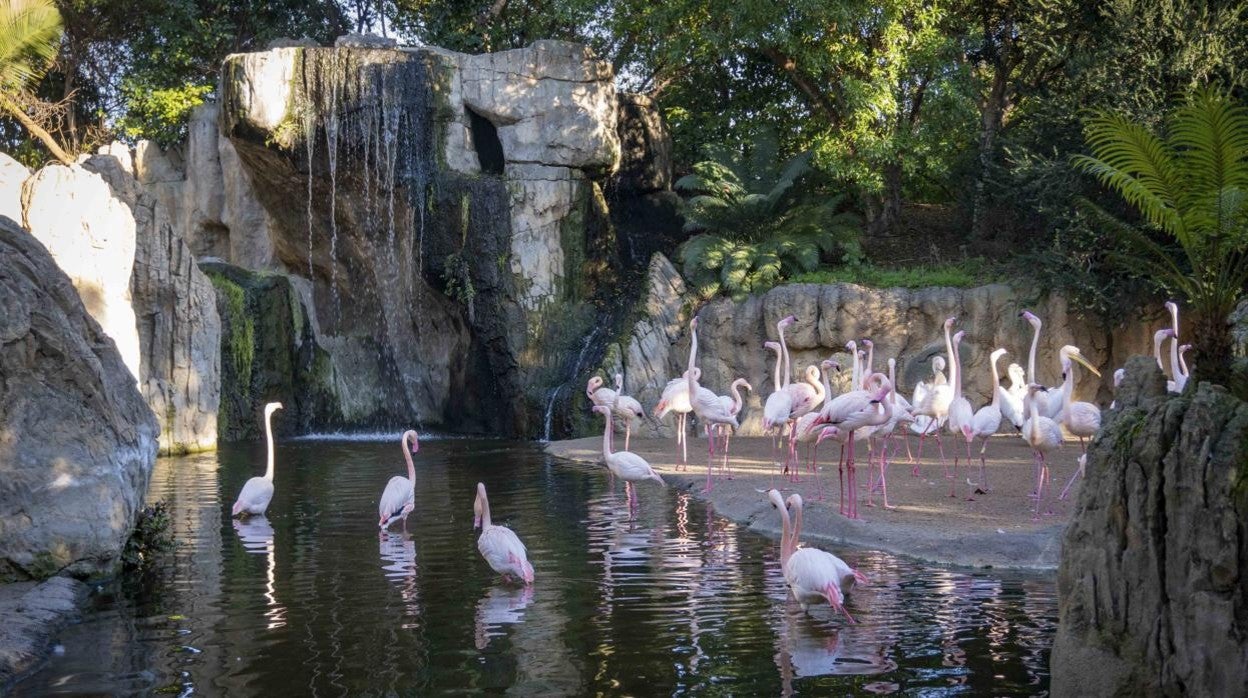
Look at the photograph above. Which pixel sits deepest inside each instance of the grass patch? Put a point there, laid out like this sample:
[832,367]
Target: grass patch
[961,275]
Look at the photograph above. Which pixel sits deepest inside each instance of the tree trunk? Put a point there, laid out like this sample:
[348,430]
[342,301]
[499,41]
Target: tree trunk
[1213,350]
[36,130]
[890,203]
[991,116]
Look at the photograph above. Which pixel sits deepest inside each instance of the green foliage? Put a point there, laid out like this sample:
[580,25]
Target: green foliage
[160,114]
[152,537]
[240,340]
[755,226]
[1190,187]
[30,36]
[969,273]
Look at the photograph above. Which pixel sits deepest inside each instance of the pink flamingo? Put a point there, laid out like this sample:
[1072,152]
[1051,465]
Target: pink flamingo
[399,498]
[849,412]
[675,398]
[626,465]
[987,421]
[779,403]
[257,492]
[960,412]
[936,404]
[733,405]
[900,415]
[499,545]
[625,407]
[599,395]
[708,407]
[814,576]
[802,427]
[1043,435]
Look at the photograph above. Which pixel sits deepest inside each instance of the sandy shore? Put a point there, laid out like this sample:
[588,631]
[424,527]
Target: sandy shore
[994,530]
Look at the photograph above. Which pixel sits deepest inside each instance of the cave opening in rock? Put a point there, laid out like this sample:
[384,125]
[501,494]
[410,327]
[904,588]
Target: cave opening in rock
[485,141]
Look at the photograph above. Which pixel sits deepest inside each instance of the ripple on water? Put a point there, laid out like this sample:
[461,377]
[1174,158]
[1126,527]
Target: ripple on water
[313,599]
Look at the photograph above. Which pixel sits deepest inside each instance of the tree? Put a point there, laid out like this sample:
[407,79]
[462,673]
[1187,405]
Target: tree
[754,226]
[1190,186]
[30,36]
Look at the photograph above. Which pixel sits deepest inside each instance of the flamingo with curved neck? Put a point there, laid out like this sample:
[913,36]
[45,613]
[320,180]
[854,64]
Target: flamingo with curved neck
[1035,343]
[399,498]
[257,492]
[499,545]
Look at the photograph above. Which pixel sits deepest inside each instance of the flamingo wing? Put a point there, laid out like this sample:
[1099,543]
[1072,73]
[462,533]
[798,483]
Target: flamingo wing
[505,554]
[254,498]
[397,501]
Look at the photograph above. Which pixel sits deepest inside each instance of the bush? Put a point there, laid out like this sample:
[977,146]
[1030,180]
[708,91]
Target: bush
[151,538]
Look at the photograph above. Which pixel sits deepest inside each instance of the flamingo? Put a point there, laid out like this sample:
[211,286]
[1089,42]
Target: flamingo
[900,413]
[399,498]
[802,427]
[1011,399]
[499,545]
[1176,370]
[675,398]
[1183,349]
[866,367]
[1083,419]
[626,408]
[257,492]
[1043,435]
[935,405]
[960,412]
[599,395]
[1060,395]
[626,465]
[708,407]
[1035,343]
[850,412]
[923,423]
[814,576]
[778,405]
[733,406]
[987,420]
[1119,374]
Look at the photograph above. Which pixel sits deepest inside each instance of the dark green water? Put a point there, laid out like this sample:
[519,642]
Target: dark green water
[313,601]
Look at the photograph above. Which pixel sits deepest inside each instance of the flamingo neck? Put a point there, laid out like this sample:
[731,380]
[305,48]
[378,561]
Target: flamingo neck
[815,380]
[1174,357]
[1157,340]
[786,536]
[826,382]
[606,436]
[1034,434]
[996,385]
[737,401]
[856,378]
[693,358]
[870,360]
[268,435]
[796,534]
[1068,383]
[776,379]
[1031,357]
[954,373]
[784,349]
[485,510]
[1183,363]
[407,455]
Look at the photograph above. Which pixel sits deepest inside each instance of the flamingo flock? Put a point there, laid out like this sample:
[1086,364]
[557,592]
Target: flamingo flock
[806,411]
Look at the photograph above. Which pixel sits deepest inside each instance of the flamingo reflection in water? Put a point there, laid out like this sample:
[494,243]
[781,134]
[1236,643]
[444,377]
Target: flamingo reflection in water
[501,606]
[256,535]
[398,557]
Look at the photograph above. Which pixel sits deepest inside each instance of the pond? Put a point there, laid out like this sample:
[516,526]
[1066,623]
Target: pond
[312,600]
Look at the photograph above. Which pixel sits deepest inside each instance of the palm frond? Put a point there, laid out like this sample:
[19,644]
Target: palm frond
[30,37]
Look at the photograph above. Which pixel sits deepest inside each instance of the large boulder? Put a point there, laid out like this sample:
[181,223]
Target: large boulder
[77,441]
[1153,582]
[13,175]
[906,324]
[645,146]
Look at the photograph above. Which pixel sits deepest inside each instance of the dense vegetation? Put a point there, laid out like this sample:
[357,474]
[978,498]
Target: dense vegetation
[904,112]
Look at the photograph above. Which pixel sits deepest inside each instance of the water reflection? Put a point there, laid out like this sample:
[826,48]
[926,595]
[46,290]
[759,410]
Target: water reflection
[501,606]
[674,601]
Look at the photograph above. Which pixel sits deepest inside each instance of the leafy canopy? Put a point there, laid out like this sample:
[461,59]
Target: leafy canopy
[754,225]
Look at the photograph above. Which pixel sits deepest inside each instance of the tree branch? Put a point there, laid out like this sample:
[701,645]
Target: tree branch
[818,99]
[35,129]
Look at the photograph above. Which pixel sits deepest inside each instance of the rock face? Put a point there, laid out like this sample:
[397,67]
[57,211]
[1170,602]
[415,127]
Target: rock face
[1152,586]
[77,441]
[438,213]
[905,324]
[13,175]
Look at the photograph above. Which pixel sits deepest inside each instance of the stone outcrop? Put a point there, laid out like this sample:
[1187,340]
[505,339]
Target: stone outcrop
[33,614]
[1153,591]
[645,146]
[905,324]
[13,175]
[77,441]
[439,213]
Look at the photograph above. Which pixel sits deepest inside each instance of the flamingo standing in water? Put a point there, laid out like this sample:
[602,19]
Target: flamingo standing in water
[1043,435]
[499,545]
[813,576]
[257,492]
[399,498]
[626,465]
[708,407]
[625,407]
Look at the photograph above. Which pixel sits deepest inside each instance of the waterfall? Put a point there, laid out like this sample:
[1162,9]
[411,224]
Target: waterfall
[309,130]
[331,139]
[574,376]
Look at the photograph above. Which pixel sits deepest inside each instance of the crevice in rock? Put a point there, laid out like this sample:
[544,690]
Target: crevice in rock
[486,143]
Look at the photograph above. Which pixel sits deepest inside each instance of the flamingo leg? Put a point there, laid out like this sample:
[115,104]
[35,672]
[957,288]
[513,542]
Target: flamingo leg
[1078,471]
[853,480]
[1039,485]
[814,465]
[883,480]
[953,482]
[710,455]
[970,494]
[794,471]
[628,429]
[983,471]
[840,475]
[943,463]
[727,436]
[906,438]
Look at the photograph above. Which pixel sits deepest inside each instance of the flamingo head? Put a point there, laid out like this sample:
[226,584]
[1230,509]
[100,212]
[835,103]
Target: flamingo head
[693,324]
[949,322]
[794,502]
[660,408]
[619,381]
[593,384]
[1017,373]
[786,322]
[938,363]
[776,500]
[1183,349]
[743,383]
[852,347]
[828,433]
[1172,307]
[1118,376]
[415,442]
[996,354]
[1034,388]
[774,346]
[882,385]
[830,365]
[272,407]
[1031,318]
[1073,353]
[868,343]
[957,337]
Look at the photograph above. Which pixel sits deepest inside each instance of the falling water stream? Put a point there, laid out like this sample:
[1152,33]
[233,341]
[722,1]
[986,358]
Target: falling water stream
[312,600]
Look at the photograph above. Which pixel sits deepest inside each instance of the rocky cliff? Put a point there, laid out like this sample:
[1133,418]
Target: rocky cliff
[905,324]
[77,441]
[1152,586]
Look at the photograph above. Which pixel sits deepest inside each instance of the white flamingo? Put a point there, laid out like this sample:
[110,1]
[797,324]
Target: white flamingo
[626,465]
[813,576]
[1011,399]
[802,427]
[935,406]
[923,423]
[849,412]
[960,412]
[257,492]
[733,406]
[1119,374]
[987,420]
[626,408]
[499,545]
[600,395]
[1176,368]
[1059,396]
[675,398]
[1082,419]
[1043,435]
[899,415]
[710,410]
[399,498]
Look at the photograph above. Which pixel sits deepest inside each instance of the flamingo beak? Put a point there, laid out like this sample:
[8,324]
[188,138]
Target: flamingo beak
[1085,363]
